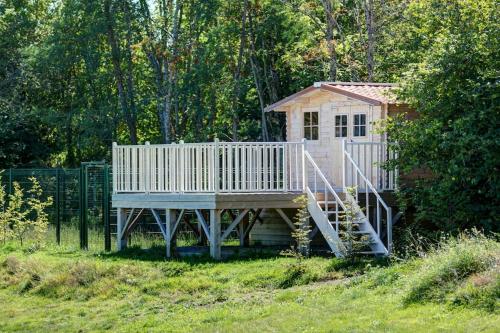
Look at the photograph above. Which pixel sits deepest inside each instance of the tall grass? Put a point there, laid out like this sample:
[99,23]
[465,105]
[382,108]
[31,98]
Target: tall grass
[445,270]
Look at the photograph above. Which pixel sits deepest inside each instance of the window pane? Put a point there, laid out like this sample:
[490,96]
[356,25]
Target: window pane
[314,118]
[363,119]
[337,120]
[307,118]
[307,133]
[344,120]
[344,132]
[362,131]
[337,132]
[315,134]
[356,120]
[356,130]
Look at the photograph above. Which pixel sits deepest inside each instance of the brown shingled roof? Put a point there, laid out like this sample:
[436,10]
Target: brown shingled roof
[373,93]
[380,92]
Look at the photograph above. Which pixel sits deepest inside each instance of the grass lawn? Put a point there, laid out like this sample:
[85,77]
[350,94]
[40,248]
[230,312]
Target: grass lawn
[65,290]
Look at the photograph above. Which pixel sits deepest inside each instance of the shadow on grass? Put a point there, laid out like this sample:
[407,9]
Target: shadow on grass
[194,254]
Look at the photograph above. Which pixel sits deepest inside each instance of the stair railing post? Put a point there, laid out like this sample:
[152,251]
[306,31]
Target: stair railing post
[343,164]
[389,230]
[216,166]
[304,165]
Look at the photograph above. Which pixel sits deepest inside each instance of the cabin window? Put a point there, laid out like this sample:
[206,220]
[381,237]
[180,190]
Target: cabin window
[311,125]
[341,126]
[360,125]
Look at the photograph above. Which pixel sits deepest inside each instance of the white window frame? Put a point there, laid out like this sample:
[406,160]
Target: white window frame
[341,126]
[310,126]
[354,125]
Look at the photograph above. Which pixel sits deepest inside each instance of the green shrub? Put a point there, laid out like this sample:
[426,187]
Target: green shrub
[292,275]
[449,265]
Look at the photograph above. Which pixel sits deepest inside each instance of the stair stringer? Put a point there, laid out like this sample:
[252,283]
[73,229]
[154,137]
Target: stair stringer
[325,227]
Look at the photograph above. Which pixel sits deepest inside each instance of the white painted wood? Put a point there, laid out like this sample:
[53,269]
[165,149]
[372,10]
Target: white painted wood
[215,229]
[228,167]
[121,217]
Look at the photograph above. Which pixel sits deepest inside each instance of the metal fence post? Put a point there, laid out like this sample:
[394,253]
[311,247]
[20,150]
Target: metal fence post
[58,210]
[105,208]
[83,204]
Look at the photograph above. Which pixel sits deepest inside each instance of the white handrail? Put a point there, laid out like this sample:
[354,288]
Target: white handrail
[368,186]
[328,189]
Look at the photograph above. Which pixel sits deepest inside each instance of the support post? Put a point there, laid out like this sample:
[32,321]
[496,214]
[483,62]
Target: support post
[121,218]
[170,218]
[215,228]
[242,227]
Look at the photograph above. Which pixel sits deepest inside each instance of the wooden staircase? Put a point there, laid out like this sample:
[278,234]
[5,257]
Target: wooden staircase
[341,219]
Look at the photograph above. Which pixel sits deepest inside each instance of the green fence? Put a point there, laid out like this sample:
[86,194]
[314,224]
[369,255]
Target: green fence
[81,209]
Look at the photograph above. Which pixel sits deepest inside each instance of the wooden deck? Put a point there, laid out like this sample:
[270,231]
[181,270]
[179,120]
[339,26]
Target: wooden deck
[243,180]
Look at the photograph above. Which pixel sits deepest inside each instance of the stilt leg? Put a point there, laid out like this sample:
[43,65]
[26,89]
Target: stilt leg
[170,217]
[215,228]
[121,218]
[242,227]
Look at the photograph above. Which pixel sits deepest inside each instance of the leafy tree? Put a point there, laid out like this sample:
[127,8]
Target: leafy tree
[454,87]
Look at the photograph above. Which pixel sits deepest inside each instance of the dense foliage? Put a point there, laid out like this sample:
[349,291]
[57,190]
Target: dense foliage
[455,89]
[76,75]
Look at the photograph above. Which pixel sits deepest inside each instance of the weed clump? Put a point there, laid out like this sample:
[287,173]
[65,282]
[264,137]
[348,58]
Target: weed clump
[449,265]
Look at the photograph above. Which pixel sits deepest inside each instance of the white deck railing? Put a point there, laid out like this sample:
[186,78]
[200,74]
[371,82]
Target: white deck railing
[370,158]
[209,167]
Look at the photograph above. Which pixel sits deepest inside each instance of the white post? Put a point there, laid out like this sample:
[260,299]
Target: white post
[389,230]
[121,218]
[344,174]
[170,218]
[304,171]
[182,169]
[147,168]
[215,228]
[216,166]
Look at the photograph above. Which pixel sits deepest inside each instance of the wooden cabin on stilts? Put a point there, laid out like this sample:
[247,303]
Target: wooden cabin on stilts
[331,146]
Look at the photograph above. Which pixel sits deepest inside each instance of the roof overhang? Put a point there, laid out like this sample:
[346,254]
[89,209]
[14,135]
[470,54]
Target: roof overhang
[324,86]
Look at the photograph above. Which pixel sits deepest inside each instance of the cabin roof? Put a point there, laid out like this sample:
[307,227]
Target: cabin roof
[372,93]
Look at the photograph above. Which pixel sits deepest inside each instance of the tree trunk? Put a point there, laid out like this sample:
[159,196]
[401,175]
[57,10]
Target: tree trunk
[370,31]
[237,73]
[258,84]
[330,39]
[115,59]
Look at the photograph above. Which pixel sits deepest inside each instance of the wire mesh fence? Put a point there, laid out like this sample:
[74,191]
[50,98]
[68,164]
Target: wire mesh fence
[81,213]
[81,209]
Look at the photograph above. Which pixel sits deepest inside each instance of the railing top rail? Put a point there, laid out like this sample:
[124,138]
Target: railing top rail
[368,183]
[242,143]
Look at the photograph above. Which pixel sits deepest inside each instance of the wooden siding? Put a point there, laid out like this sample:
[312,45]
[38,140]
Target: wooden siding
[327,151]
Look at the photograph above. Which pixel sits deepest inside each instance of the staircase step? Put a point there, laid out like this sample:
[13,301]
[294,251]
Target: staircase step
[321,202]
[371,252]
